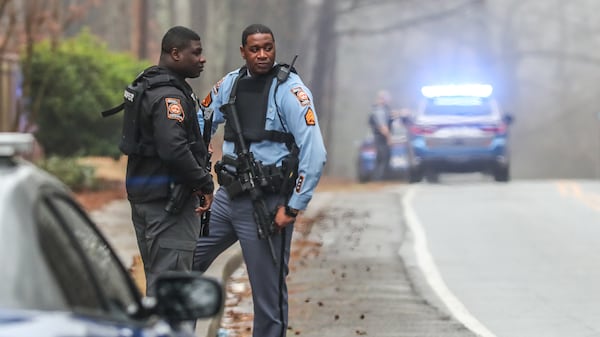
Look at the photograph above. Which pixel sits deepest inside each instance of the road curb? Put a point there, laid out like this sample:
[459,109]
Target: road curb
[232,259]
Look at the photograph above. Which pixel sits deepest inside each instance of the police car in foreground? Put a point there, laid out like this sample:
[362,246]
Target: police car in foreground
[60,277]
[459,128]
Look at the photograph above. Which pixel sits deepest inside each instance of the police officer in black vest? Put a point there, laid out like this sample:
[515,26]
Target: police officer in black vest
[273,158]
[168,183]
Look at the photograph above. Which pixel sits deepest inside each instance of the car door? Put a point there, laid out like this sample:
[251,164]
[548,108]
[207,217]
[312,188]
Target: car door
[94,282]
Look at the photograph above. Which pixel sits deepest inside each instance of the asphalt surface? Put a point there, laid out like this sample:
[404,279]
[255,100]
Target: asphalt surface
[347,277]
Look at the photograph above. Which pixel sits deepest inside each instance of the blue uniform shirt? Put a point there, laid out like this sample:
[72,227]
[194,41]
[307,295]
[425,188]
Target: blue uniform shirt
[297,111]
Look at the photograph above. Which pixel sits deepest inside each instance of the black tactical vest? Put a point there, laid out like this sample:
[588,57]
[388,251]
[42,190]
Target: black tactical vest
[131,142]
[251,102]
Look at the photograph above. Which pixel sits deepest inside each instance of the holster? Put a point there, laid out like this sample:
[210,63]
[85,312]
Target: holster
[178,196]
[228,180]
[278,180]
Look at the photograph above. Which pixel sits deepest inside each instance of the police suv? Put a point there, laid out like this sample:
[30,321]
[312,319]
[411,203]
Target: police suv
[458,128]
[60,277]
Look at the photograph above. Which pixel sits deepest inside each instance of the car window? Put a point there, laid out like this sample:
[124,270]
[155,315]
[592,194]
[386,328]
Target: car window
[28,281]
[66,263]
[463,106]
[111,276]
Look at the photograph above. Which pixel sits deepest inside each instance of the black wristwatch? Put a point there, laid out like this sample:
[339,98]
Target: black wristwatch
[291,212]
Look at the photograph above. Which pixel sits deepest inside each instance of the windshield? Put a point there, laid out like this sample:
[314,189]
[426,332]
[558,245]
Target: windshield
[462,106]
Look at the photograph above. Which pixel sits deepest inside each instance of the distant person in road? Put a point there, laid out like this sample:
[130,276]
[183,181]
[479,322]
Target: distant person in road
[380,121]
[279,124]
[166,166]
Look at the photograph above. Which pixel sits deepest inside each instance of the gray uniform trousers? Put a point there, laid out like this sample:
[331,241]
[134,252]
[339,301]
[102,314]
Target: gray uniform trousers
[233,220]
[166,241]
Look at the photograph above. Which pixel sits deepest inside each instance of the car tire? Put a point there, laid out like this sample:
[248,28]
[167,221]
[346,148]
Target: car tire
[363,178]
[432,177]
[502,174]
[415,176]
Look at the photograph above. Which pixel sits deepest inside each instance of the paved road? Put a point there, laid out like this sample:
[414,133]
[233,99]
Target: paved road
[347,277]
[522,258]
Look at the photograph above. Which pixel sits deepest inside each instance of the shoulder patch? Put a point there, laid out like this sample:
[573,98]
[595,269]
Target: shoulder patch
[174,109]
[207,100]
[309,117]
[216,87]
[301,96]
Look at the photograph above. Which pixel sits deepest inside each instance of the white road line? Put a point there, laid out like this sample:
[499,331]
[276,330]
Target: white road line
[431,274]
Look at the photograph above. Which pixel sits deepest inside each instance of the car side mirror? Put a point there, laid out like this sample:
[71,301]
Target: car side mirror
[508,118]
[187,296]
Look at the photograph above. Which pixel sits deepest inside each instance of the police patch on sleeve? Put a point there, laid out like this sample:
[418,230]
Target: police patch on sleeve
[207,100]
[309,117]
[216,87]
[301,95]
[174,109]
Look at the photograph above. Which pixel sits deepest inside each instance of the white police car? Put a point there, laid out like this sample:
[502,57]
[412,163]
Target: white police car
[60,277]
[459,128]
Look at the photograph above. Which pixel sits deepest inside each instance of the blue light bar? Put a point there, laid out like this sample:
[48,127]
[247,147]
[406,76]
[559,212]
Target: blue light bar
[458,100]
[465,90]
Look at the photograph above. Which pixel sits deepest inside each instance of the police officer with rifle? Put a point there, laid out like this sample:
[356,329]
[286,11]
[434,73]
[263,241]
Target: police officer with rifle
[273,157]
[168,182]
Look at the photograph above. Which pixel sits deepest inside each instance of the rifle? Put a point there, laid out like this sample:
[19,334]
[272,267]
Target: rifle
[250,174]
[206,135]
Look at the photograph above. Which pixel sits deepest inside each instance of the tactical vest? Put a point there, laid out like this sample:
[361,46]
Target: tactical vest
[153,77]
[250,97]
[251,102]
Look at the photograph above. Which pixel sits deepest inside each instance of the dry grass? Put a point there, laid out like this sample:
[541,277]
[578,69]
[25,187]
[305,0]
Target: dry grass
[107,168]
[112,176]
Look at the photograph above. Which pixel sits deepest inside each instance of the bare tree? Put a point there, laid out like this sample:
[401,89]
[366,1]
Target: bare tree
[142,10]
[322,79]
[331,33]
[198,17]
[547,55]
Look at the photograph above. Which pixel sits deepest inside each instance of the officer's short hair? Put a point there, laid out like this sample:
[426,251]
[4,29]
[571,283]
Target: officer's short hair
[178,37]
[255,28]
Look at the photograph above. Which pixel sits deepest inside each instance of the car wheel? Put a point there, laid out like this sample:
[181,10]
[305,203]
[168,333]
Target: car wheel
[415,176]
[363,177]
[432,177]
[502,174]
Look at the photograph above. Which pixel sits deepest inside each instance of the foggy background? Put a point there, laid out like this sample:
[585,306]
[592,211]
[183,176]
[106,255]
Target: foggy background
[540,55]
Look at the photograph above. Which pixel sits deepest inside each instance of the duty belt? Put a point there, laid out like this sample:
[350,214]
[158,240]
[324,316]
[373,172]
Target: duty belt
[272,184]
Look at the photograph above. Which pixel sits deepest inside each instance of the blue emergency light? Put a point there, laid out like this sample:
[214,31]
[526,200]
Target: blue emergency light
[457,90]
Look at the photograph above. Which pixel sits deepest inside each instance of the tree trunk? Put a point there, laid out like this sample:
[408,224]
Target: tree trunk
[322,79]
[214,43]
[142,38]
[198,17]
